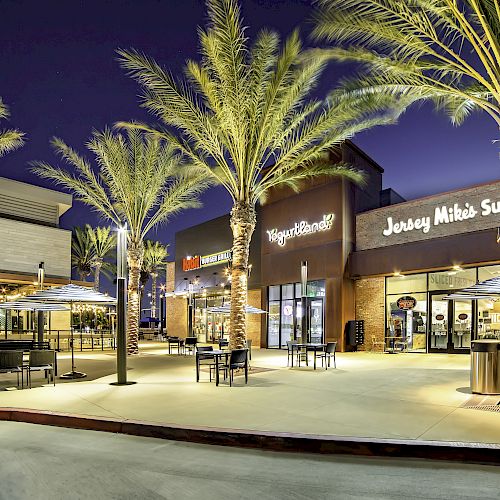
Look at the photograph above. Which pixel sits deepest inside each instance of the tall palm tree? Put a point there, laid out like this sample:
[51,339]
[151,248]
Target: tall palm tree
[81,252]
[243,114]
[445,51]
[10,139]
[140,181]
[103,242]
[154,261]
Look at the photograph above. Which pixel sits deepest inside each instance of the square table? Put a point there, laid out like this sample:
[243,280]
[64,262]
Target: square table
[309,347]
[217,355]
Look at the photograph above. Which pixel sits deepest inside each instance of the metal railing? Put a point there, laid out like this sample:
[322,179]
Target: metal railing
[60,340]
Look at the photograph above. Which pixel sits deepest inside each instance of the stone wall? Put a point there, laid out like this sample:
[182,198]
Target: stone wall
[177,314]
[370,297]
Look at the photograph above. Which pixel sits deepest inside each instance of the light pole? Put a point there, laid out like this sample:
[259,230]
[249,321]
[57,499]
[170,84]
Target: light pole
[190,309]
[40,317]
[303,301]
[121,308]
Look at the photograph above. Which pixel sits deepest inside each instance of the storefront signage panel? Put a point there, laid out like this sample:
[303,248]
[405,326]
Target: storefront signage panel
[463,211]
[197,262]
[302,228]
[406,303]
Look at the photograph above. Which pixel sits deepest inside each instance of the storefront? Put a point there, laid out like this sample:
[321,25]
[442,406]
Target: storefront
[410,256]
[370,256]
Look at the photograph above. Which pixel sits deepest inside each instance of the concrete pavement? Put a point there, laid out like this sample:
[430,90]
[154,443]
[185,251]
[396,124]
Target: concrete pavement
[405,396]
[47,463]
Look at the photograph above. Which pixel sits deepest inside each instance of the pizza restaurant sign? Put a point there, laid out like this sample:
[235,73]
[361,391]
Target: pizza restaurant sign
[302,228]
[443,214]
[199,261]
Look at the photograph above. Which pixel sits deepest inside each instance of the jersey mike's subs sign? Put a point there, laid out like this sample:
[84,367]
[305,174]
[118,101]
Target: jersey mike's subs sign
[448,214]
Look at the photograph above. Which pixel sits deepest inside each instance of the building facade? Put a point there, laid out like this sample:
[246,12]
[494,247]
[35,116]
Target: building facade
[30,234]
[371,256]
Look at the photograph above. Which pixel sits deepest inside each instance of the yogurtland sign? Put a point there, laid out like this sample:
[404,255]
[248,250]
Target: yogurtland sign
[463,211]
[301,228]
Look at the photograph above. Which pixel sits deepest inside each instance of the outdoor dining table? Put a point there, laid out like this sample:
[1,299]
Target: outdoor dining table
[217,355]
[309,347]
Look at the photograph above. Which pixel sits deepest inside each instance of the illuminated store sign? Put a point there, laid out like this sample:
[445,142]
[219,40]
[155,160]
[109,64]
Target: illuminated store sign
[301,228]
[406,303]
[197,262]
[442,215]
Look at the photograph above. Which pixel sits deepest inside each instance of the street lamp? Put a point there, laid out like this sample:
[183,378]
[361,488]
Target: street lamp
[121,307]
[303,301]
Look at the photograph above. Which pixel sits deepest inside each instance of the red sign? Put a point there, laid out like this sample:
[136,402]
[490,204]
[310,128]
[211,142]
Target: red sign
[190,263]
[406,303]
[463,316]
[440,317]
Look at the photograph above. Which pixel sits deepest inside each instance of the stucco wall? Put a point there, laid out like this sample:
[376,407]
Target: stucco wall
[23,246]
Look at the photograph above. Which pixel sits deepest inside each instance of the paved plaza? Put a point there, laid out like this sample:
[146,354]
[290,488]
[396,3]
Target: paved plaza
[48,463]
[403,396]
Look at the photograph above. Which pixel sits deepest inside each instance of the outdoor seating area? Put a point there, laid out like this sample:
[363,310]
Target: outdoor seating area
[299,352]
[222,360]
[19,362]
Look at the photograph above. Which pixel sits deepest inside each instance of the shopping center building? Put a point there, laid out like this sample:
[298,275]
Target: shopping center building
[29,235]
[371,256]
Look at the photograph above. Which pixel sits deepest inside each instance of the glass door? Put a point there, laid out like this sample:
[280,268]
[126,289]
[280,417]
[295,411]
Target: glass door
[451,324]
[315,319]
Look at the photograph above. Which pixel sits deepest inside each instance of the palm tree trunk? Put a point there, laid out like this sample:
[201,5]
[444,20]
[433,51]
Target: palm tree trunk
[97,273]
[243,220]
[153,294]
[134,256]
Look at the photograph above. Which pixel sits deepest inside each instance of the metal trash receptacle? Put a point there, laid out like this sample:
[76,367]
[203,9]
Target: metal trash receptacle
[485,367]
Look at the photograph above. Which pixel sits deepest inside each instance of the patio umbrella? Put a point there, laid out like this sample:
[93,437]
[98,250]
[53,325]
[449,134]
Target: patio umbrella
[69,294]
[226,308]
[488,289]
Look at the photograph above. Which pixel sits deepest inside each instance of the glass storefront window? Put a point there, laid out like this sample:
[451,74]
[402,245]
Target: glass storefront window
[273,325]
[284,319]
[407,327]
[487,272]
[452,280]
[488,320]
[406,283]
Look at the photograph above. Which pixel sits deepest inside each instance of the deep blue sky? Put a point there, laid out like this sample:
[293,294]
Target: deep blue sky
[60,77]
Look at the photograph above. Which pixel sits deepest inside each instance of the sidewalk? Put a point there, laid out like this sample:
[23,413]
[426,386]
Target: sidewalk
[405,396]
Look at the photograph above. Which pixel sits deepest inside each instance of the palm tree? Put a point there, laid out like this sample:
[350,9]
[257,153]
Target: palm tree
[81,252]
[141,182]
[440,50]
[9,139]
[243,114]
[154,261]
[103,242]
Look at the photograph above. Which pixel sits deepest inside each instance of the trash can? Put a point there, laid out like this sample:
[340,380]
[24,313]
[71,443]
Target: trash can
[485,367]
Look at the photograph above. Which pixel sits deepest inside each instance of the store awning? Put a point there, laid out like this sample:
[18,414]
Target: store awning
[226,309]
[488,289]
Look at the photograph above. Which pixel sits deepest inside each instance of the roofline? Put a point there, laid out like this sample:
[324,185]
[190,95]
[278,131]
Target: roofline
[362,153]
[428,197]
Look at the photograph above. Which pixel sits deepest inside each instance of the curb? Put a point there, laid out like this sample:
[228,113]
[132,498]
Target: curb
[479,453]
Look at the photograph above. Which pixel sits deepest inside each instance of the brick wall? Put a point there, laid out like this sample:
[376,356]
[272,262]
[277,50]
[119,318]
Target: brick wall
[177,321]
[254,320]
[370,297]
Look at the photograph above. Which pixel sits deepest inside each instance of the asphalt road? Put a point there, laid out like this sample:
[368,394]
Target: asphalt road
[41,462]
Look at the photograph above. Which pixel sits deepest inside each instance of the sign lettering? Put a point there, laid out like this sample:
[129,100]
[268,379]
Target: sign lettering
[442,215]
[300,229]
[197,262]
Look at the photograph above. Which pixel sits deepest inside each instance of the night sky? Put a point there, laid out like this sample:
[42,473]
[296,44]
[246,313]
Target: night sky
[59,75]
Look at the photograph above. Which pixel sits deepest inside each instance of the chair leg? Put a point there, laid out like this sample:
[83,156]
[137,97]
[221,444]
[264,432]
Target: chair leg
[230,377]
[334,361]
[246,374]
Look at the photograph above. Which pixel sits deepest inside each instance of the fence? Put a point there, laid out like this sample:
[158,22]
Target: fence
[60,340]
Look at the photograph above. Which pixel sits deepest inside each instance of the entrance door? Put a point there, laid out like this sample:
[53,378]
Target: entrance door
[450,324]
[315,319]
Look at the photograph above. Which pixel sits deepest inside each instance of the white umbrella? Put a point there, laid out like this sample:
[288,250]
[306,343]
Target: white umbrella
[70,294]
[488,289]
[226,309]
[20,305]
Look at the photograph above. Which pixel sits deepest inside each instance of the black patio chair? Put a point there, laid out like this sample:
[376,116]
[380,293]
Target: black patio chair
[190,344]
[300,353]
[238,359]
[12,362]
[223,343]
[42,361]
[327,354]
[175,342]
[204,360]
